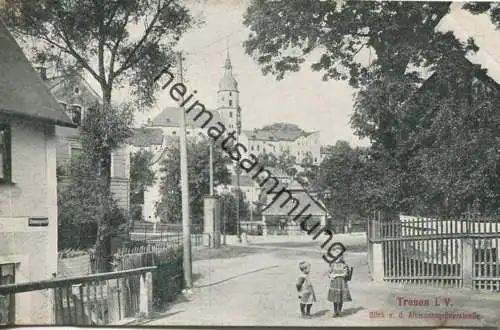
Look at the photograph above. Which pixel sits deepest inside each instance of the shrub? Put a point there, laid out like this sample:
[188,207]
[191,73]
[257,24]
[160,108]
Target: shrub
[168,280]
[76,230]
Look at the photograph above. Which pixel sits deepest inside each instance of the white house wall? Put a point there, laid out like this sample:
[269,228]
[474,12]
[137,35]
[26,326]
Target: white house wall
[33,250]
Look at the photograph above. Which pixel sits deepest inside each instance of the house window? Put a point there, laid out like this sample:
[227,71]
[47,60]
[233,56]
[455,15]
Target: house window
[230,114]
[230,103]
[75,152]
[5,154]
[230,94]
[7,303]
[173,133]
[76,114]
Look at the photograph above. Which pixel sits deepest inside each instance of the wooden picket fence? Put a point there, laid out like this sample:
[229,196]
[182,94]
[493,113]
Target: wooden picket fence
[93,300]
[441,252]
[168,280]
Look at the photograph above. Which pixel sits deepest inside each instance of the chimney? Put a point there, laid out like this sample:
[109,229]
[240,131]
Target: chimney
[42,70]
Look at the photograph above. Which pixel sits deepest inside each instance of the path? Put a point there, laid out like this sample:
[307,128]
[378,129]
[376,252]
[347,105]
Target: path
[258,289]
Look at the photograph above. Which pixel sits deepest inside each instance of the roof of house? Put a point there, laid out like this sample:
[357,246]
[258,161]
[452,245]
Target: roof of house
[298,192]
[145,137]
[245,181]
[295,186]
[277,172]
[22,90]
[304,199]
[170,117]
[277,132]
[63,88]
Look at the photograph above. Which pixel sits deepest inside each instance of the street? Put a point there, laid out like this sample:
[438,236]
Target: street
[255,285]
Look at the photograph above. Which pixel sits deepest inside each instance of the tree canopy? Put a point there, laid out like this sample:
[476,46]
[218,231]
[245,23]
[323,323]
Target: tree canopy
[119,43]
[428,137]
[169,208]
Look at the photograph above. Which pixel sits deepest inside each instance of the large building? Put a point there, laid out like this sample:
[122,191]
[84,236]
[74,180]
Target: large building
[283,137]
[76,96]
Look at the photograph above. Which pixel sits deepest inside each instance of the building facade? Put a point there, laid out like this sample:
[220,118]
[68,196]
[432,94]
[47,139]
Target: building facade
[281,138]
[76,97]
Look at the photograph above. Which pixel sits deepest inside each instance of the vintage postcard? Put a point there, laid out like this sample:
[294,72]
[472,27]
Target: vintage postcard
[249,163]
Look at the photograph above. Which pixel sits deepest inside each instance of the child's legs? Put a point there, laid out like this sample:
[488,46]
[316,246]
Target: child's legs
[337,307]
[308,309]
[302,309]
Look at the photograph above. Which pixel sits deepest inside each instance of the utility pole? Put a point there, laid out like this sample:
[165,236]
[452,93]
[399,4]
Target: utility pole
[211,153]
[186,220]
[238,131]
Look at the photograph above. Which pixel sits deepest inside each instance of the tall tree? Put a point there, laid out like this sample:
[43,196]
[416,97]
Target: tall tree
[381,49]
[342,178]
[308,174]
[86,200]
[119,43]
[267,159]
[286,162]
[453,144]
[169,207]
[228,204]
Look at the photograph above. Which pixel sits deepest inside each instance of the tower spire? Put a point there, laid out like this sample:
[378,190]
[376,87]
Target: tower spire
[228,65]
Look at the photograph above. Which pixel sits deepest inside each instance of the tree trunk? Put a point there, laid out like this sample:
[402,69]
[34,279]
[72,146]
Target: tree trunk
[103,243]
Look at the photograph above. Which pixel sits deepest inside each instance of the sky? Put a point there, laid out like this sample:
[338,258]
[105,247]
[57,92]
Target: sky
[301,98]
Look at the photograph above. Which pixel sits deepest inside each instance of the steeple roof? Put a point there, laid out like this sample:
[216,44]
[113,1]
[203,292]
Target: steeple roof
[228,83]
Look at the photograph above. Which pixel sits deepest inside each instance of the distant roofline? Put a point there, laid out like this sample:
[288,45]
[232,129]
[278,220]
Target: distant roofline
[82,78]
[15,113]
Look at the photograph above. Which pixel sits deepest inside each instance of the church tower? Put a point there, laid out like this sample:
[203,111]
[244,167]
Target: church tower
[228,98]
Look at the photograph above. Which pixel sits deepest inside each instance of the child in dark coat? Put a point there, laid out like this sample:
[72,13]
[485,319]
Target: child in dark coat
[305,289]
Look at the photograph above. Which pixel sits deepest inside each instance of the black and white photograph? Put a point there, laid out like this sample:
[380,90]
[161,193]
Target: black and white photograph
[302,163]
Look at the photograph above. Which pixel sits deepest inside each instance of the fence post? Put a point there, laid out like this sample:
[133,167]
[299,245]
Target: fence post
[377,262]
[146,294]
[54,302]
[467,262]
